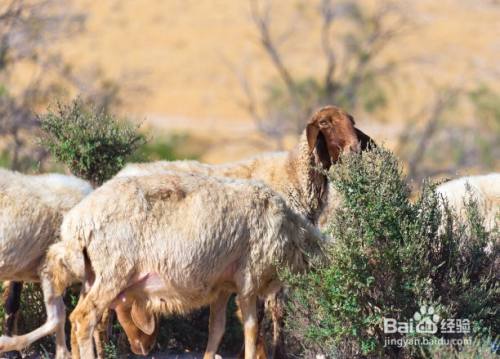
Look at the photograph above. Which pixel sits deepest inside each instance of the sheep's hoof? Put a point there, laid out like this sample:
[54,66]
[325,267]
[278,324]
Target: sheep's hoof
[8,344]
[63,355]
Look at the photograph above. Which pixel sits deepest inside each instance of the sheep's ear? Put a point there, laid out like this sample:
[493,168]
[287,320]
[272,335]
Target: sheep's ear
[312,132]
[142,318]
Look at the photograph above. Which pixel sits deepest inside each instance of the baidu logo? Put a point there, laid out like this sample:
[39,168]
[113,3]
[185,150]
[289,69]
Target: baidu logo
[424,321]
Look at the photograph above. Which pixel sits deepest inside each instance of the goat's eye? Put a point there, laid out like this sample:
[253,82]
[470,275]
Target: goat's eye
[323,122]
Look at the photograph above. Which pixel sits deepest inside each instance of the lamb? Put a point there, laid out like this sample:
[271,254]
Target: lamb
[485,190]
[174,242]
[31,211]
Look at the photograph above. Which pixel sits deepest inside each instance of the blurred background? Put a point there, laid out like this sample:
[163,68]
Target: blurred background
[220,80]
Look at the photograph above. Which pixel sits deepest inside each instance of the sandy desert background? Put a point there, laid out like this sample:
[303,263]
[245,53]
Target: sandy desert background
[178,64]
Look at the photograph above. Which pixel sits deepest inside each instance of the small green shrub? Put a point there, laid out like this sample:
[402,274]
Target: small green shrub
[390,256]
[93,144]
[110,350]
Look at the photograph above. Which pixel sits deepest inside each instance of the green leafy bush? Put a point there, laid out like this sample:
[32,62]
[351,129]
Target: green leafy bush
[93,144]
[389,256]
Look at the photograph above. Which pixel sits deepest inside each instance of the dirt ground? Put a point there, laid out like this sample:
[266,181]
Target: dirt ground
[179,356]
[153,356]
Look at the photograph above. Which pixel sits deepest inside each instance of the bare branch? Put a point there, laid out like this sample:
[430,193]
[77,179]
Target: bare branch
[27,30]
[371,33]
[404,136]
[328,15]
[251,103]
[441,104]
[378,36]
[262,20]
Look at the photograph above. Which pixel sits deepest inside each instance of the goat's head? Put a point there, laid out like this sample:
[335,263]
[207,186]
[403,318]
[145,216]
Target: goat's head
[140,326]
[331,131]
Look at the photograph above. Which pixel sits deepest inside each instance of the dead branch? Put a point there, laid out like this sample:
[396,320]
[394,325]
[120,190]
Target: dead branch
[27,29]
[441,104]
[262,20]
[328,15]
[377,37]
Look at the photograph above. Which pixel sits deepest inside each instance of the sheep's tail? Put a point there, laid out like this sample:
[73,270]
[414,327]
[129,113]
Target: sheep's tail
[64,265]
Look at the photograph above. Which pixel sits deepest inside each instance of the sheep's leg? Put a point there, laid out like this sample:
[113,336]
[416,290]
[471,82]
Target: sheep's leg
[12,304]
[88,313]
[84,319]
[61,349]
[55,323]
[248,306]
[261,343]
[12,301]
[98,339]
[217,324]
[75,351]
[101,334]
[275,303]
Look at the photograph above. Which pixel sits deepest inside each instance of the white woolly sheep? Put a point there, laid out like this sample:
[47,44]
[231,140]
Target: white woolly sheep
[175,242]
[485,190]
[31,212]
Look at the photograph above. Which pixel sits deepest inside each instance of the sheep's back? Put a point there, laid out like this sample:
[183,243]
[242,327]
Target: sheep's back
[485,190]
[31,210]
[183,226]
[262,167]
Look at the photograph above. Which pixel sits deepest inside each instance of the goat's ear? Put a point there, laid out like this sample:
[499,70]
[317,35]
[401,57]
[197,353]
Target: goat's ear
[312,132]
[142,318]
[367,143]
